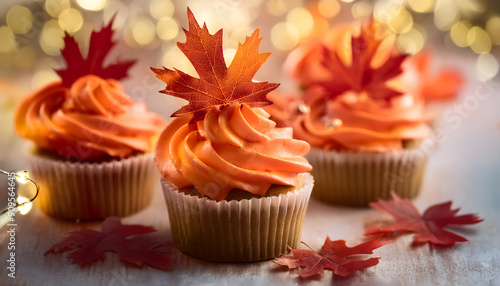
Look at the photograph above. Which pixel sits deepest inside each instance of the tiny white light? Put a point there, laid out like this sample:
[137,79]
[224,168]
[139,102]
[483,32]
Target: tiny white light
[24,209]
[22,177]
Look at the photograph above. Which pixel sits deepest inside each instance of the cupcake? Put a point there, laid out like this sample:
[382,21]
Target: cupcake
[236,187]
[92,144]
[367,126]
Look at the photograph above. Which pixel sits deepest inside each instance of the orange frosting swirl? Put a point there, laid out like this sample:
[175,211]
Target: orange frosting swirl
[357,122]
[93,118]
[233,147]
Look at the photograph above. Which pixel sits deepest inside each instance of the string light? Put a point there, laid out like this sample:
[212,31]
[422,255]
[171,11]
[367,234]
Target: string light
[23,204]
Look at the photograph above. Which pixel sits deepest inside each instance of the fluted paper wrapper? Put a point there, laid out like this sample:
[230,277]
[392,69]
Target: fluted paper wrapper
[237,231]
[93,191]
[358,178]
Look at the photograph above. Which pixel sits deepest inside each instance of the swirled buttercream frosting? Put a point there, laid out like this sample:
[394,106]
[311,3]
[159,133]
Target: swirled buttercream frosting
[357,122]
[93,118]
[233,147]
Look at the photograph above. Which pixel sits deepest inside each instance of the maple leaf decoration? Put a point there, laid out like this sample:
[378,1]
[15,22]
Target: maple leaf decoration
[100,45]
[360,75]
[218,85]
[429,226]
[128,241]
[334,255]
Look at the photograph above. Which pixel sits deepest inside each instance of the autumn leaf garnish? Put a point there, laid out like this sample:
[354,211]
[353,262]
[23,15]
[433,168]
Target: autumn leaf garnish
[218,84]
[429,226]
[362,74]
[128,241]
[442,85]
[100,44]
[334,256]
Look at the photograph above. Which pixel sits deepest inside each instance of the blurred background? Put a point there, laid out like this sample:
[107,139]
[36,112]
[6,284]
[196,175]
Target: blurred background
[31,36]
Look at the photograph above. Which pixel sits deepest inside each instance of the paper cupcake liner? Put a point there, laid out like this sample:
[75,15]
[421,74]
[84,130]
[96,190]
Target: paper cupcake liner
[356,179]
[93,191]
[237,231]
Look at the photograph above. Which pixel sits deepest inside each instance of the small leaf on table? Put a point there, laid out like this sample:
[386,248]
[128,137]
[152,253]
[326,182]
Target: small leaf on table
[429,226]
[334,256]
[128,241]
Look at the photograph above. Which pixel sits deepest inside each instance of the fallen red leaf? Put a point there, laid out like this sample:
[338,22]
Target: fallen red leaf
[334,256]
[218,84]
[128,241]
[99,47]
[361,74]
[429,226]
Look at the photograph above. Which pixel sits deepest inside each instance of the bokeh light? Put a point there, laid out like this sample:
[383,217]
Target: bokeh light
[92,5]
[19,19]
[478,40]
[385,10]
[70,20]
[486,66]
[43,77]
[401,22]
[161,8]
[493,29]
[167,29]
[51,38]
[119,10]
[328,8]
[8,42]
[55,7]
[302,20]
[361,9]
[284,36]
[459,33]
[446,14]
[422,6]
[276,7]
[412,41]
[143,31]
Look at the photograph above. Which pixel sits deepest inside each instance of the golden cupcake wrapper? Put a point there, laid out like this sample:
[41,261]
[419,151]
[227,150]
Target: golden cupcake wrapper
[237,231]
[93,191]
[358,178]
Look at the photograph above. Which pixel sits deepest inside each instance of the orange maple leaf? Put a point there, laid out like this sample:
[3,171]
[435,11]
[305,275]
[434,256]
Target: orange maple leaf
[361,74]
[218,84]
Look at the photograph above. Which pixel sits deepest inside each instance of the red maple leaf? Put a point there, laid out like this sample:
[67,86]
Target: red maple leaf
[429,226]
[128,241]
[334,255]
[361,74]
[99,47]
[442,85]
[218,84]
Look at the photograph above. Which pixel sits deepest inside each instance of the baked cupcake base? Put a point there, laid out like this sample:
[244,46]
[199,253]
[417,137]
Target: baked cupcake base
[358,178]
[92,191]
[237,231]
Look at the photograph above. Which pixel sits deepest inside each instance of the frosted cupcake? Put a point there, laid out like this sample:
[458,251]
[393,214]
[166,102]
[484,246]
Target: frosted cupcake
[236,186]
[92,152]
[368,130]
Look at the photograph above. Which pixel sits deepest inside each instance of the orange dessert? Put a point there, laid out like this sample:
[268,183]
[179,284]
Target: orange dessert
[363,112]
[236,186]
[92,153]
